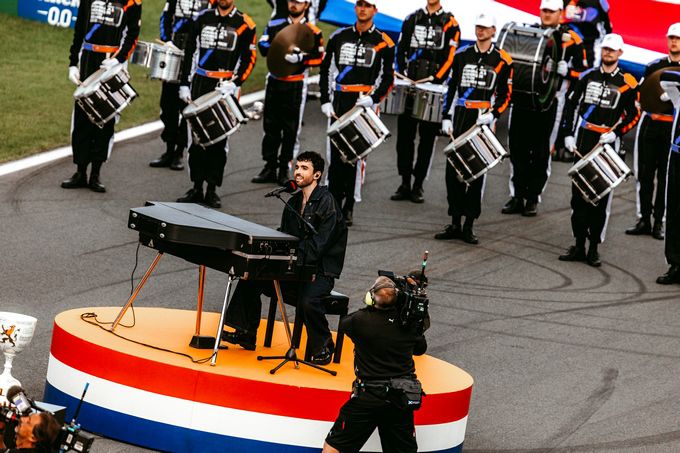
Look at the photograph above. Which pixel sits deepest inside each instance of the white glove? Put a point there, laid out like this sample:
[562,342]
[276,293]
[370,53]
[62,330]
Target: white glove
[327,109]
[296,57]
[485,118]
[447,127]
[665,97]
[74,74]
[365,101]
[226,88]
[109,63]
[570,143]
[608,137]
[562,68]
[185,93]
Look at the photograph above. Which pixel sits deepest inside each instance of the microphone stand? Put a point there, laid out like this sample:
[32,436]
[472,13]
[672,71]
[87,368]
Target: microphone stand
[291,354]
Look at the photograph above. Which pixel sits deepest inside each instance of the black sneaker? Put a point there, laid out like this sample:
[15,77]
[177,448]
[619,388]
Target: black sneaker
[513,206]
[449,232]
[76,181]
[240,338]
[530,209]
[417,195]
[192,196]
[322,358]
[212,199]
[403,193]
[593,258]
[266,175]
[469,236]
[574,253]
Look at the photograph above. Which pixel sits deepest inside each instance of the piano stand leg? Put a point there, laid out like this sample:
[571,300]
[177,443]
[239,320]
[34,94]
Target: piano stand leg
[199,341]
[220,325]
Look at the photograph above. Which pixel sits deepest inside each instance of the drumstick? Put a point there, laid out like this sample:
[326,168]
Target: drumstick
[426,79]
[403,77]
[159,41]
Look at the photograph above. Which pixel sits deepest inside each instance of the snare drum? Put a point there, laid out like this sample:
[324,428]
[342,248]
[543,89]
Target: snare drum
[165,63]
[214,118]
[104,94]
[395,102]
[357,133]
[474,153]
[598,173]
[142,54]
[428,102]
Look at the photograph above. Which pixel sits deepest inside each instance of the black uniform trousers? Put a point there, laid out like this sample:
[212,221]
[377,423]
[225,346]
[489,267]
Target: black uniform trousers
[529,141]
[206,163]
[672,245]
[587,220]
[464,200]
[360,416]
[175,133]
[245,307]
[341,175]
[652,159]
[283,103]
[407,127]
[90,143]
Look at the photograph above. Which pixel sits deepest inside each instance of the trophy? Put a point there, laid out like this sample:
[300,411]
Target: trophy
[16,332]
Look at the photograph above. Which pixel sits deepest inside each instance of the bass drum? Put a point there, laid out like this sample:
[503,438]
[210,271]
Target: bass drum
[532,48]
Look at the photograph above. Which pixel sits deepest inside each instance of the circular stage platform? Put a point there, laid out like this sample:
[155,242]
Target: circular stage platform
[164,401]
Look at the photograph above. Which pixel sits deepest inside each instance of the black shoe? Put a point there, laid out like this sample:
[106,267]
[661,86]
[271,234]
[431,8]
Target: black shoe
[403,193]
[469,237]
[76,181]
[657,231]
[670,277]
[266,175]
[513,206]
[641,227]
[192,196]
[349,218]
[212,199]
[164,161]
[449,232]
[574,253]
[322,358]
[176,163]
[530,209]
[593,258]
[242,339]
[417,195]
[283,176]
[95,184]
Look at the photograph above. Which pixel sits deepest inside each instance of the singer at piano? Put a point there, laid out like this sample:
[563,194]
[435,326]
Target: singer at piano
[323,246]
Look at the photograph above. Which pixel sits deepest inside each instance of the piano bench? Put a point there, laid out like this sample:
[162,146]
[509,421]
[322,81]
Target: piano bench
[334,304]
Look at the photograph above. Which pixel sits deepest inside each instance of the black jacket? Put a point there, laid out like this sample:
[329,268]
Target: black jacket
[590,18]
[176,19]
[382,349]
[326,249]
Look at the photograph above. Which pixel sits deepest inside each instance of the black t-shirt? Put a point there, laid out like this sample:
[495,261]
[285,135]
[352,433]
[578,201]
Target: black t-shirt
[382,348]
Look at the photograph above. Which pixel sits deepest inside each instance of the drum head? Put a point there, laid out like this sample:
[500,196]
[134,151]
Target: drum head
[202,103]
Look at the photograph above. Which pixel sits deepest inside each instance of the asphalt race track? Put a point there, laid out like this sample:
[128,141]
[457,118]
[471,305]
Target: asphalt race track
[565,357]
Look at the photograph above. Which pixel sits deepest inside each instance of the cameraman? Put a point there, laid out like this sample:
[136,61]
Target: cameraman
[34,433]
[383,362]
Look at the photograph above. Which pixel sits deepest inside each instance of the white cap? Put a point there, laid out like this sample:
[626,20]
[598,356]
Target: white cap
[485,20]
[674,30]
[613,41]
[302,1]
[372,2]
[552,5]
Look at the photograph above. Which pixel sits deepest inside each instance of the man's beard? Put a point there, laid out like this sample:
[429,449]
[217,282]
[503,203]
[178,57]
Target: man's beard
[295,15]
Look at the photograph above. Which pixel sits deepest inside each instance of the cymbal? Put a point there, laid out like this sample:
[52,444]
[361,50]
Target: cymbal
[650,91]
[294,35]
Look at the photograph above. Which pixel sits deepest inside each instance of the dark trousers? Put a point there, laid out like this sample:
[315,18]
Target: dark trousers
[407,127]
[175,130]
[672,246]
[245,307]
[587,220]
[529,140]
[283,105]
[360,416]
[341,175]
[464,200]
[652,159]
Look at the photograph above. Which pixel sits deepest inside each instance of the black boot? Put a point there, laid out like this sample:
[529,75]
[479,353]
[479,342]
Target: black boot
[670,277]
[514,205]
[593,257]
[530,209]
[576,252]
[95,184]
[193,195]
[246,341]
[641,227]
[403,193]
[177,163]
[164,161]
[79,179]
[349,217]
[449,232]
[417,195]
[266,175]
[657,230]
[468,235]
[211,198]
[283,176]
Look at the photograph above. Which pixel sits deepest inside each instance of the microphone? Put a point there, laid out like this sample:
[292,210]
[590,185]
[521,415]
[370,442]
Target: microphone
[288,187]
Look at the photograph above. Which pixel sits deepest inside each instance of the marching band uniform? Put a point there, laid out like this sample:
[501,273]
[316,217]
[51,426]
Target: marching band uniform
[426,48]
[105,35]
[174,30]
[284,104]
[226,51]
[590,19]
[606,104]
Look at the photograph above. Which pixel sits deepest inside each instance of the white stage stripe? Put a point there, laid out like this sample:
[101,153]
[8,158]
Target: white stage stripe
[224,421]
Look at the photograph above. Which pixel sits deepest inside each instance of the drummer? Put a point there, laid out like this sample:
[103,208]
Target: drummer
[427,44]
[651,149]
[531,128]
[590,19]
[481,83]
[174,31]
[226,57]
[361,57]
[285,97]
[103,38]
[605,99]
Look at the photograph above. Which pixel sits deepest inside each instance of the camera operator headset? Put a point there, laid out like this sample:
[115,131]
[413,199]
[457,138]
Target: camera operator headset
[386,335]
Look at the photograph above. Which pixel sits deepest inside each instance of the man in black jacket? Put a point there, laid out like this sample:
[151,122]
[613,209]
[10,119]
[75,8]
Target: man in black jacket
[34,433]
[325,250]
[383,351]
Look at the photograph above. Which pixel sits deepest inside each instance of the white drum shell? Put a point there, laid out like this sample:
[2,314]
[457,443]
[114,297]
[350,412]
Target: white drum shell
[598,173]
[356,133]
[395,102]
[104,94]
[486,153]
[165,63]
[428,102]
[213,118]
[142,53]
